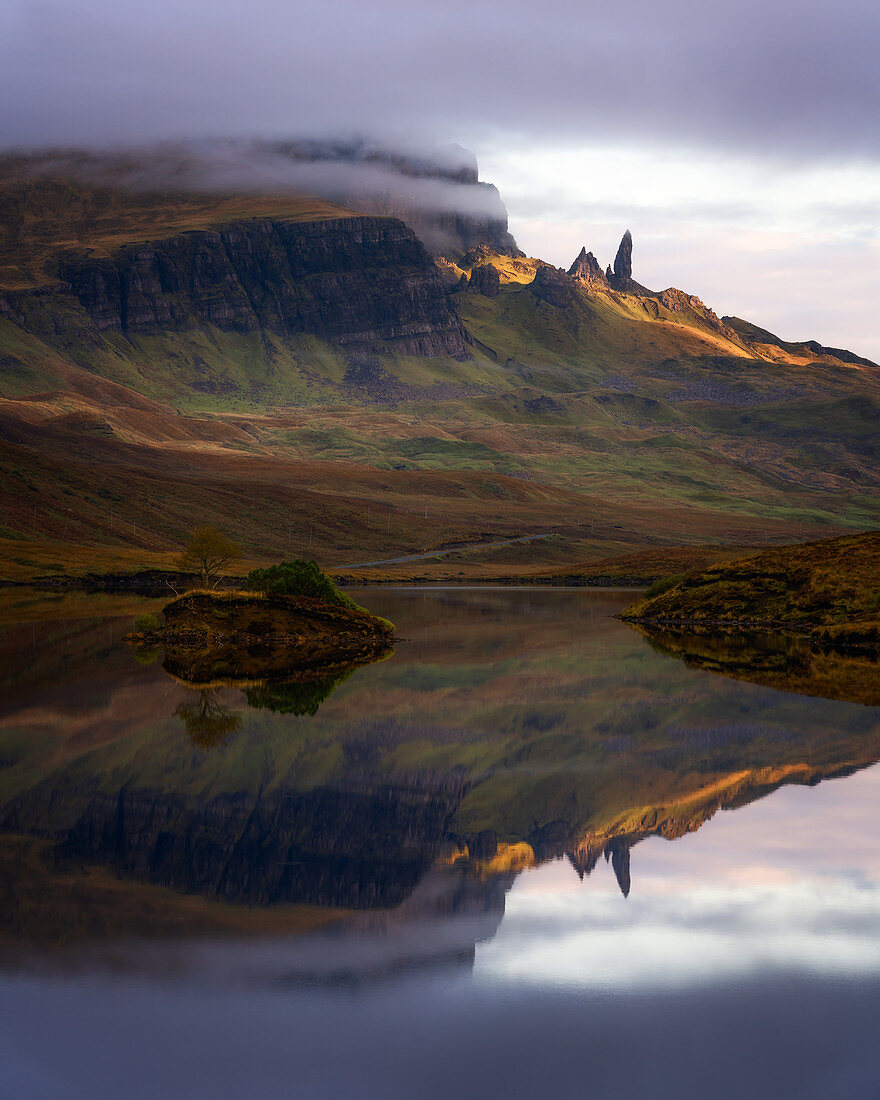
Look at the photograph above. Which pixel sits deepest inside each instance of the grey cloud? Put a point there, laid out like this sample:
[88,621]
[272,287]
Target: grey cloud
[798,79]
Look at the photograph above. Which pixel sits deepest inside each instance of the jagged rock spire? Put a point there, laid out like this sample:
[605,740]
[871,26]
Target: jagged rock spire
[586,268]
[623,268]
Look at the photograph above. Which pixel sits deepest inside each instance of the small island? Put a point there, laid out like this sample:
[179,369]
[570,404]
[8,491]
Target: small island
[290,617]
[797,618]
[828,591]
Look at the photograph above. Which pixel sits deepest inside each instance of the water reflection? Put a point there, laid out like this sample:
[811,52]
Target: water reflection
[785,662]
[513,729]
[453,875]
[295,696]
[210,720]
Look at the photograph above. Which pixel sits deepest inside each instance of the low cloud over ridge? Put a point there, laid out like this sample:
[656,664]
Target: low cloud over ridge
[754,76]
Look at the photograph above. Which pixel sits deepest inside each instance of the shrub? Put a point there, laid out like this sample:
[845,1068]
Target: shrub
[298,578]
[663,584]
[146,624]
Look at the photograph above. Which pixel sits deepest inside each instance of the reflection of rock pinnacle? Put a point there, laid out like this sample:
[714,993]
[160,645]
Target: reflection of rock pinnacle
[620,864]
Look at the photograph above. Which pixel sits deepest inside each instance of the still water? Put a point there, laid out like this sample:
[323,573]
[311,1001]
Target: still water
[527,855]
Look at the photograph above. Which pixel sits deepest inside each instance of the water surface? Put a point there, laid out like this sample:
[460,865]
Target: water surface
[526,855]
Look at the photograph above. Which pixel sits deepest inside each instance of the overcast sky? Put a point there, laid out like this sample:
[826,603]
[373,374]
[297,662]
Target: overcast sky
[739,142]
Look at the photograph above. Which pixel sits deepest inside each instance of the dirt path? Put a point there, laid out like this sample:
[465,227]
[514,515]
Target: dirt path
[441,553]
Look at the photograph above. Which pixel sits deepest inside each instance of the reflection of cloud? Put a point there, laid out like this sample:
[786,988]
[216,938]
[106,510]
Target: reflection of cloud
[788,883]
[683,937]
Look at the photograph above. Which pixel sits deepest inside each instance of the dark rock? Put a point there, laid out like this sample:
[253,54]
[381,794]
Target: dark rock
[618,850]
[550,841]
[354,846]
[542,405]
[623,267]
[485,280]
[553,285]
[621,278]
[586,269]
[358,281]
[482,845]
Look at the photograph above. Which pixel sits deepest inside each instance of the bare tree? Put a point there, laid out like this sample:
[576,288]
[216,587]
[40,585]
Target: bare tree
[207,553]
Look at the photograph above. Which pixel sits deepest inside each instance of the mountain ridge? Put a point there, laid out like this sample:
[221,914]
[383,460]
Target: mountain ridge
[286,328]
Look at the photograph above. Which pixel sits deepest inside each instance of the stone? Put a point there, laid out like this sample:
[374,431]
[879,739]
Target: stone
[623,268]
[586,269]
[553,285]
[363,281]
[485,280]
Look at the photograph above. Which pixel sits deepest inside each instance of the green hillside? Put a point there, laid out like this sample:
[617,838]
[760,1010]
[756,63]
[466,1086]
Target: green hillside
[642,413]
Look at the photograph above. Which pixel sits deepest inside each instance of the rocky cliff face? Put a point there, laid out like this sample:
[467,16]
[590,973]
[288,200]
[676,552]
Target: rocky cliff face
[553,285]
[363,282]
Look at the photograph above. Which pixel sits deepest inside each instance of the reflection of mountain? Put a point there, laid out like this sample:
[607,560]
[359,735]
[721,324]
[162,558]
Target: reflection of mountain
[329,846]
[512,729]
[682,810]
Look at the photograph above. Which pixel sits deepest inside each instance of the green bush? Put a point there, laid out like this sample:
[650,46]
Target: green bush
[663,584]
[147,624]
[298,578]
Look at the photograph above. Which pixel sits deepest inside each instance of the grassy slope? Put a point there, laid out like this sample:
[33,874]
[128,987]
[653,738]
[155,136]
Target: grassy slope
[42,215]
[830,589]
[654,425]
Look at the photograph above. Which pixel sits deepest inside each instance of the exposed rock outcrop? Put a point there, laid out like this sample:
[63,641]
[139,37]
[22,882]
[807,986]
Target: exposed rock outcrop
[362,282]
[553,285]
[623,267]
[586,270]
[677,301]
[485,280]
[450,273]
